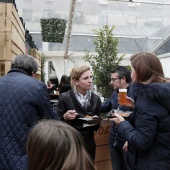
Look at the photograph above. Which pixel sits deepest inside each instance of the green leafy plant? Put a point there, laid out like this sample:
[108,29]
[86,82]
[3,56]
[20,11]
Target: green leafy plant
[53,29]
[43,60]
[105,59]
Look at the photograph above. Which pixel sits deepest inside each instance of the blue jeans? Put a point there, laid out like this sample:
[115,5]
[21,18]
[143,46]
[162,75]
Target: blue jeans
[118,158]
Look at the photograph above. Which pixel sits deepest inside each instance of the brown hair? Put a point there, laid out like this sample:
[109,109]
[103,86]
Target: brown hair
[148,68]
[55,145]
[77,72]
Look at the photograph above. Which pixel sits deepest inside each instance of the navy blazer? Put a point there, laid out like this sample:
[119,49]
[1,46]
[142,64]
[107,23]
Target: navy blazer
[112,103]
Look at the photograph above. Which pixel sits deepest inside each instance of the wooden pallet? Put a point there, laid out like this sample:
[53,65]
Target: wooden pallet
[12,34]
[102,159]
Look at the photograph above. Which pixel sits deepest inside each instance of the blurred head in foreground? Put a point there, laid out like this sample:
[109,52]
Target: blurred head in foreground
[55,145]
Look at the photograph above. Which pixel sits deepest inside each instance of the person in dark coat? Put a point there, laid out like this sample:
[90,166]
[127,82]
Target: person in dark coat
[148,133]
[64,80]
[120,79]
[81,101]
[66,86]
[51,87]
[24,100]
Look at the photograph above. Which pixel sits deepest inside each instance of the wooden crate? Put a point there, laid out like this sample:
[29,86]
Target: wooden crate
[12,33]
[102,159]
[2,29]
[4,67]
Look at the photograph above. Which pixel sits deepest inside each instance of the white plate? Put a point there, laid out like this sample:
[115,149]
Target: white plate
[124,113]
[91,120]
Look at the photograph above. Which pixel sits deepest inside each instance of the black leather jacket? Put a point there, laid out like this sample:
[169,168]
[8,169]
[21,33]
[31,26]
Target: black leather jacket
[67,101]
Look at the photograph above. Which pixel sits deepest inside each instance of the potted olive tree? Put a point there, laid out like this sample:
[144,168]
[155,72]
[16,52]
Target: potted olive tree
[105,59]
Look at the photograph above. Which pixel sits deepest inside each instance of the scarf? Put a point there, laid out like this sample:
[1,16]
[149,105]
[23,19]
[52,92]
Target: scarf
[83,100]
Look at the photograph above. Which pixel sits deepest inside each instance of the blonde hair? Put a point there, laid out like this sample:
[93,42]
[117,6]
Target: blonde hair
[77,72]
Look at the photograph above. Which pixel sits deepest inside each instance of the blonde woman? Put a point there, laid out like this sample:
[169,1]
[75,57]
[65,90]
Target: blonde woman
[81,100]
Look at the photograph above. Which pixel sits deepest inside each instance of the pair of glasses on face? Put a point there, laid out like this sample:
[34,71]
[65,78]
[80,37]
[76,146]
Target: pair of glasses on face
[114,79]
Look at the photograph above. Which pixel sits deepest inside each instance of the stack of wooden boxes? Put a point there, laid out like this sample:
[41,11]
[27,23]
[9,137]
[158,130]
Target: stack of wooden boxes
[12,36]
[102,159]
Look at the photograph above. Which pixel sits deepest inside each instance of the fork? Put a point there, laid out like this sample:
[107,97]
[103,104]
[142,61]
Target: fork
[118,108]
[79,114]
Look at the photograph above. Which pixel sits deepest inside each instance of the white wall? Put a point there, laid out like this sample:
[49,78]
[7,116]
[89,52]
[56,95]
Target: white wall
[75,59]
[46,70]
[165,60]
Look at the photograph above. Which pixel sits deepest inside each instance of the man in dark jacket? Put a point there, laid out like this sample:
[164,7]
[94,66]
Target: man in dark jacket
[120,79]
[24,100]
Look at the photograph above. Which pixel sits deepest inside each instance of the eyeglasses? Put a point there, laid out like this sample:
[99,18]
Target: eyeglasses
[113,79]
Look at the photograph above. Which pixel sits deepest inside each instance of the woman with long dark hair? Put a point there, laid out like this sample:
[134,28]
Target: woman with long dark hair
[148,133]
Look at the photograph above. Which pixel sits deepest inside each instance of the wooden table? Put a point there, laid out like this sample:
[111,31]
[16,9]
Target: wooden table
[103,160]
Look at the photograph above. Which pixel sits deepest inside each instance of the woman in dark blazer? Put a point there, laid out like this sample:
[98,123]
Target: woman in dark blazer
[78,101]
[148,133]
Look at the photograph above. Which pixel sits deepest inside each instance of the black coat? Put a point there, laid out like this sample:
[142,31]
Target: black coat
[148,134]
[67,101]
[66,87]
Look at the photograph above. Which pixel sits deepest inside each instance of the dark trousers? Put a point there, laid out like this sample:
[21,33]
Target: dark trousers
[90,144]
[118,158]
[91,151]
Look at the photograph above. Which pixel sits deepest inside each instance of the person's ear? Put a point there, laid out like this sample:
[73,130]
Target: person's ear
[75,82]
[123,79]
[33,74]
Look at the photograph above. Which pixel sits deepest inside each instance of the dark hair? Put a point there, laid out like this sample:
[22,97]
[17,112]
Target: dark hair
[123,72]
[26,63]
[148,68]
[54,81]
[62,81]
[55,145]
[68,80]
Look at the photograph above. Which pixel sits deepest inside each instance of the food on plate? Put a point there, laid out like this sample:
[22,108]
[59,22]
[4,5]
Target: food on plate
[87,116]
[124,114]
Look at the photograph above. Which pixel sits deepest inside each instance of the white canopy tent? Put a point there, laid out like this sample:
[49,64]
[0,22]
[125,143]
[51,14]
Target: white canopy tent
[140,25]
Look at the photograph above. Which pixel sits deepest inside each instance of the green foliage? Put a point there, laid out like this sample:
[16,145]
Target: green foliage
[53,29]
[42,67]
[105,60]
